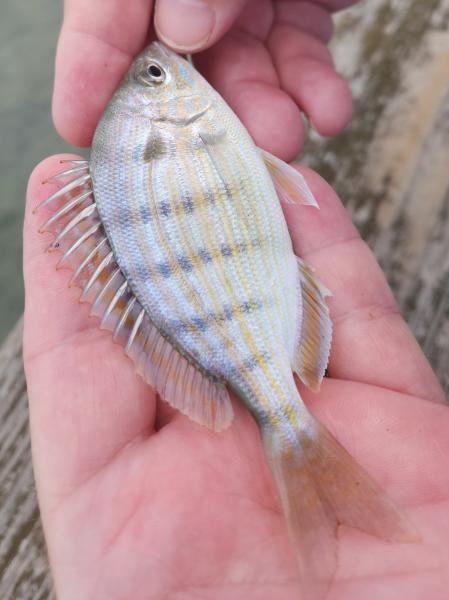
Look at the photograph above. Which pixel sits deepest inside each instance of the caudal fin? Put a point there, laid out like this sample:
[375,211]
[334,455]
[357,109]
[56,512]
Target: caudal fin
[321,486]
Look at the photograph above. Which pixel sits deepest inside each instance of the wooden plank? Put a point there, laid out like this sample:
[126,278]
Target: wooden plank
[24,572]
[390,169]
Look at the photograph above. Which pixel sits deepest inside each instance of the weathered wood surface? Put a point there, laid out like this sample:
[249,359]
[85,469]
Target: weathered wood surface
[24,573]
[391,168]
[391,165]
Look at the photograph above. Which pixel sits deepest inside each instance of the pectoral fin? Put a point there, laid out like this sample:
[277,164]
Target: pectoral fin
[290,185]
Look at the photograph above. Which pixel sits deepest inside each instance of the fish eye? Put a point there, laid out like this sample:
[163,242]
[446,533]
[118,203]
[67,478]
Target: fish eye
[155,73]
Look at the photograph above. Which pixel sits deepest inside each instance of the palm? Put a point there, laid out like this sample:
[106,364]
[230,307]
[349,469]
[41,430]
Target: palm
[137,501]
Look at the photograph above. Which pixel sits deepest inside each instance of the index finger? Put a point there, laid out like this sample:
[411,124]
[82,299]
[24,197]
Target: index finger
[98,40]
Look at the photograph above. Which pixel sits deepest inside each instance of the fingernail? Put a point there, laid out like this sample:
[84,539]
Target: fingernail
[184,24]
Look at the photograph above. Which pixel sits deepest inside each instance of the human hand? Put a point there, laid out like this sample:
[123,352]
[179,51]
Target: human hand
[268,59]
[139,502]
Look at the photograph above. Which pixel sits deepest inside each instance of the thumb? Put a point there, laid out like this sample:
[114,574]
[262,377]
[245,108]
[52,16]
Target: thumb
[193,25]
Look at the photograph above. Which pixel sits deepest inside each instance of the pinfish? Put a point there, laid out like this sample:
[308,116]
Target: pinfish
[176,236]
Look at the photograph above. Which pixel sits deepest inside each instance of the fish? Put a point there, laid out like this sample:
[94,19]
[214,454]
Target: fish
[175,234]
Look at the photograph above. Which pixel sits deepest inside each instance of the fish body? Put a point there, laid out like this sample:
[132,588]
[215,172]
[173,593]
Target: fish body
[177,238]
[198,230]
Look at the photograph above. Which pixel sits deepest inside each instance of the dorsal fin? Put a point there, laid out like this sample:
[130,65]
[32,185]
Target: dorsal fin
[312,353]
[79,235]
[290,185]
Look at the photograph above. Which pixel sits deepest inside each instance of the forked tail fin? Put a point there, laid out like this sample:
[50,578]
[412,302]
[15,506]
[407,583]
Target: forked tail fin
[321,486]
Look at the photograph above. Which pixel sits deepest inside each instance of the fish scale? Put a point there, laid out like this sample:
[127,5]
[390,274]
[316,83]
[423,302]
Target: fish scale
[177,239]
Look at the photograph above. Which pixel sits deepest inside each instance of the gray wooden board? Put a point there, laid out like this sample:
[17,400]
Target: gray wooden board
[24,573]
[390,167]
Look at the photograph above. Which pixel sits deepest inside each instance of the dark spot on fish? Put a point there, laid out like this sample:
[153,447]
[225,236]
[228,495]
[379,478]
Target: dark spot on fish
[252,361]
[247,307]
[228,190]
[210,196]
[188,205]
[185,263]
[228,313]
[145,216]
[119,216]
[226,250]
[164,269]
[155,148]
[200,324]
[205,255]
[177,326]
[164,209]
[231,250]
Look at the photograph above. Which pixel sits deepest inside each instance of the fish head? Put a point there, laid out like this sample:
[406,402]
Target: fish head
[162,85]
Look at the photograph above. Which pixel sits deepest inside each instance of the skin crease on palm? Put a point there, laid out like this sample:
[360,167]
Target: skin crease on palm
[136,500]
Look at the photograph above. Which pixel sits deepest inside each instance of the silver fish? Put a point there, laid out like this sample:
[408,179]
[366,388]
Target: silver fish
[177,238]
